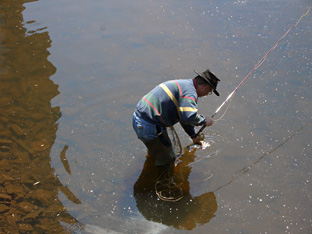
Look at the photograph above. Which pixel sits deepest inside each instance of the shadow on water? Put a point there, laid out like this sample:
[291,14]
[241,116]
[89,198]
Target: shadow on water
[29,186]
[186,213]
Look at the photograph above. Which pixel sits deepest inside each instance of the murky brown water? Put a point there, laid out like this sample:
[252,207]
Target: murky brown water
[70,75]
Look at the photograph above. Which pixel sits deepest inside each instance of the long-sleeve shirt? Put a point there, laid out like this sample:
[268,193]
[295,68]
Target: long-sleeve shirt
[171,102]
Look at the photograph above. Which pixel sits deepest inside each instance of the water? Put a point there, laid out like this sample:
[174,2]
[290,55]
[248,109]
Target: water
[71,75]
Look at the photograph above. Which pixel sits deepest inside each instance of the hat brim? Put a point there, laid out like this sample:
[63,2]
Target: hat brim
[216,92]
[212,86]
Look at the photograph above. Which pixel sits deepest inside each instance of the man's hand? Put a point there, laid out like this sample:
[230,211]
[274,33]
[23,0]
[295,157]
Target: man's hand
[209,121]
[197,140]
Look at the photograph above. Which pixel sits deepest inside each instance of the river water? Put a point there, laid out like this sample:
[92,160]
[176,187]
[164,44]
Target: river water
[71,73]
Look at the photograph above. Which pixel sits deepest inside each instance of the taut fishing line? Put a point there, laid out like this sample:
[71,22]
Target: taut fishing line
[246,169]
[167,188]
[255,68]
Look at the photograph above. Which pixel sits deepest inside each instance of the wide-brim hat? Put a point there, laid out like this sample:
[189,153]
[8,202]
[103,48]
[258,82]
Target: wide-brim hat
[211,79]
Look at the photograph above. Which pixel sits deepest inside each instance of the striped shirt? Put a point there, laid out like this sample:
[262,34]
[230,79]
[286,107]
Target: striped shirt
[171,102]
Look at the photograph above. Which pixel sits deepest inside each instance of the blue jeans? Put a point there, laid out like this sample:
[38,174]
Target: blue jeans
[147,133]
[144,130]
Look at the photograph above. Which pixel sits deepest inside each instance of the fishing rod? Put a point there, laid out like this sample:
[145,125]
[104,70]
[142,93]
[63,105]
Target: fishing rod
[255,67]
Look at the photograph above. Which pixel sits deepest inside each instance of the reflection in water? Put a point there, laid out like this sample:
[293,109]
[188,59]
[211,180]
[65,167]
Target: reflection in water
[28,185]
[183,214]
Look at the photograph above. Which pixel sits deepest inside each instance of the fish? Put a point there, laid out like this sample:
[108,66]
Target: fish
[203,146]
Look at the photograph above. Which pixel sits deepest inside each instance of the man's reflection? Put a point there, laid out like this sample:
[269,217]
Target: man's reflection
[183,214]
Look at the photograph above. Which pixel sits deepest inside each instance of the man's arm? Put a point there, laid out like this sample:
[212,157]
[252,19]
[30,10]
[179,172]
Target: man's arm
[198,140]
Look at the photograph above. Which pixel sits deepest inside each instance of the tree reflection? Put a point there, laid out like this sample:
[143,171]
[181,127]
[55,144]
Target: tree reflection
[183,214]
[29,186]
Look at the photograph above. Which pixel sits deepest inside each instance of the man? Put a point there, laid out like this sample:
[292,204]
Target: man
[168,103]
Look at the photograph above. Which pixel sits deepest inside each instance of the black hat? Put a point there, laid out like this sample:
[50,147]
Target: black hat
[211,79]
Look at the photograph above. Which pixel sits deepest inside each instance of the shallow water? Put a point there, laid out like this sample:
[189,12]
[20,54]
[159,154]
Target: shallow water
[71,74]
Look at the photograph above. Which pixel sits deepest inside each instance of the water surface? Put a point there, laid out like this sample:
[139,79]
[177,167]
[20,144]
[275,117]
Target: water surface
[71,75]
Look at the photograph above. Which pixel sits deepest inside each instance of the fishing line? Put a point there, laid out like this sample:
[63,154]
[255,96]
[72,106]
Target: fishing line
[167,186]
[246,169]
[175,141]
[229,98]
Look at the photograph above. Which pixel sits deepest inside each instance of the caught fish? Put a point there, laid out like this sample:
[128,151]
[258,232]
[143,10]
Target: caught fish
[203,146]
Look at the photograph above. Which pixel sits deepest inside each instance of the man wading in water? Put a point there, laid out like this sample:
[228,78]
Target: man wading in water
[168,103]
